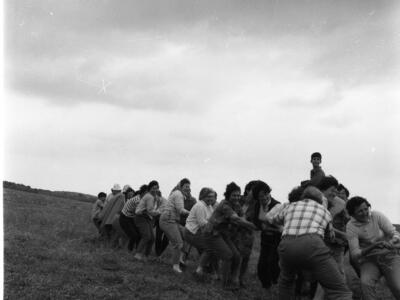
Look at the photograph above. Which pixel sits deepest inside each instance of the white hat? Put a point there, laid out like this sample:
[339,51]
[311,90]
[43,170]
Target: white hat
[116,187]
[126,187]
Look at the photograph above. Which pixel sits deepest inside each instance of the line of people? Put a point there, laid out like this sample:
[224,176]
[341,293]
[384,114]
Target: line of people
[304,238]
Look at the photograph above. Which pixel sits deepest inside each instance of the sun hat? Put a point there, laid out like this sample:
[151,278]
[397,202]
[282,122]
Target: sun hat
[116,187]
[126,188]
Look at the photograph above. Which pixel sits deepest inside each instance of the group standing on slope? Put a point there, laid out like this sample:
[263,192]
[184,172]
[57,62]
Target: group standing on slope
[302,241]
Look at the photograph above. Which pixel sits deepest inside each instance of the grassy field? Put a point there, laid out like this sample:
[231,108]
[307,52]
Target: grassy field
[51,251]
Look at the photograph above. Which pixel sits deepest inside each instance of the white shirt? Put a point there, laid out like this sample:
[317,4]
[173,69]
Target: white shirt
[198,216]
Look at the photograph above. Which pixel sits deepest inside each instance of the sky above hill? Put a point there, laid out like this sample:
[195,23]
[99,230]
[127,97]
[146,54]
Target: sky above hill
[103,92]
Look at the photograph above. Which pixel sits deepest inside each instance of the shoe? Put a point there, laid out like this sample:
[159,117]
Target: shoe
[176,269]
[139,257]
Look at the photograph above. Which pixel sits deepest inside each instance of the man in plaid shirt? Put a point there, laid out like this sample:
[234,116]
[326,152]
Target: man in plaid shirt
[302,247]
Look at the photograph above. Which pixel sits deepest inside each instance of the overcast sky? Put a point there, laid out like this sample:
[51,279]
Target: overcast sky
[104,92]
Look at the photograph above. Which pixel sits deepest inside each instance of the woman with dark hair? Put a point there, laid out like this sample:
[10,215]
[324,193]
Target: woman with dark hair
[218,236]
[243,237]
[126,218]
[375,243]
[267,267]
[170,221]
[144,214]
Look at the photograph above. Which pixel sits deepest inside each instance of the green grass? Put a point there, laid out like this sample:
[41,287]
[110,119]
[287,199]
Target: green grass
[51,251]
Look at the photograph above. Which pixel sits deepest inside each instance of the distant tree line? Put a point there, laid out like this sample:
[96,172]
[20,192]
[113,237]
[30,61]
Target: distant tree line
[61,194]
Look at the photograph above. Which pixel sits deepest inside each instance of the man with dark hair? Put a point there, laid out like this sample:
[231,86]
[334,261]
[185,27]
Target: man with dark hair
[316,174]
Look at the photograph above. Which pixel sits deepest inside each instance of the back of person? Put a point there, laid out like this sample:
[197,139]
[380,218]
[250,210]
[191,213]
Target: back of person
[297,222]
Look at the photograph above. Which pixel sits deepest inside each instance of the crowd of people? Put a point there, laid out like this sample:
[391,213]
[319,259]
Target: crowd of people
[302,241]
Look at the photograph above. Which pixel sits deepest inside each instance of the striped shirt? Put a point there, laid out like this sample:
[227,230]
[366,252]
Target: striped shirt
[130,206]
[303,217]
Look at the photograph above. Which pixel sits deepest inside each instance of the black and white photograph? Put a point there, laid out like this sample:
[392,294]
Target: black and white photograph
[196,149]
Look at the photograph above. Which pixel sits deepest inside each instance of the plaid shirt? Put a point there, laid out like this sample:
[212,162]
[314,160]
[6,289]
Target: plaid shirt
[303,217]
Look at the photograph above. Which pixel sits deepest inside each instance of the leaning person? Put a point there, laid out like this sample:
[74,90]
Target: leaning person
[374,243]
[302,246]
[126,219]
[161,242]
[112,207]
[217,236]
[97,208]
[170,221]
[244,237]
[144,214]
[195,223]
[268,262]
[337,207]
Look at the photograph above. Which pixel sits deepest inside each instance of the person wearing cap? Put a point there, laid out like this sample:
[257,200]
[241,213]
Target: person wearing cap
[316,174]
[170,221]
[112,207]
[128,191]
[115,190]
[144,214]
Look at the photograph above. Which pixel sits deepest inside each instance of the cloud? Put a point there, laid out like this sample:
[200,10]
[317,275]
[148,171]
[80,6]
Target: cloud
[186,56]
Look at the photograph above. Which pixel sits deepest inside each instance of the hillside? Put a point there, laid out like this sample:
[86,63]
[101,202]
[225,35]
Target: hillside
[51,251]
[60,194]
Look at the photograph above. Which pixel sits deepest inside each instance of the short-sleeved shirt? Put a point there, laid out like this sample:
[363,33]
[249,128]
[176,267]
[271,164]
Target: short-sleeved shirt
[220,220]
[304,217]
[361,235]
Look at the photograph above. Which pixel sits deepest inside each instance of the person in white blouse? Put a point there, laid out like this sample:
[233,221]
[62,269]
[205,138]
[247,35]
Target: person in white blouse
[197,219]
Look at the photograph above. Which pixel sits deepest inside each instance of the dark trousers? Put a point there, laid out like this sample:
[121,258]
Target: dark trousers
[268,261]
[128,226]
[309,252]
[224,249]
[145,228]
[161,239]
[208,262]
